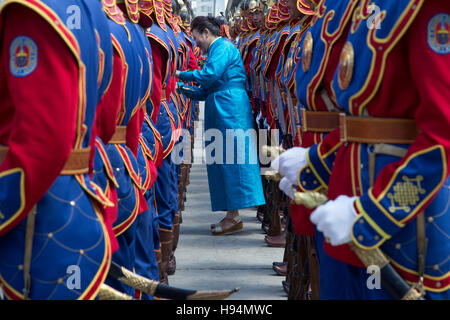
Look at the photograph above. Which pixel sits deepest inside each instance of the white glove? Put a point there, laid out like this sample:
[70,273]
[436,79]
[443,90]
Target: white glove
[290,162]
[335,219]
[285,185]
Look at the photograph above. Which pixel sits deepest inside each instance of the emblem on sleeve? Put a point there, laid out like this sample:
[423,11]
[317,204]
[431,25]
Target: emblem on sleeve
[23,54]
[438,33]
[406,194]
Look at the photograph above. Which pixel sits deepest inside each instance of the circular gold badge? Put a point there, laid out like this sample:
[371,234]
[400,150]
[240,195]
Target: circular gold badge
[288,66]
[307,52]
[346,64]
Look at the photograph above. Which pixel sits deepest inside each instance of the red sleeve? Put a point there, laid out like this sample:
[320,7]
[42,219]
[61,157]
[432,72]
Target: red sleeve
[433,112]
[249,57]
[109,105]
[426,164]
[40,109]
[193,64]
[276,57]
[157,55]
[134,127]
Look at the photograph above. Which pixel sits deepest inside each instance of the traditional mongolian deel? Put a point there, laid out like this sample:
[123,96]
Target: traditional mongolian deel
[232,186]
[50,93]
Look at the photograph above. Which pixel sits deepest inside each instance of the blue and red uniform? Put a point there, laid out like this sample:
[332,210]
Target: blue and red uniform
[390,82]
[52,77]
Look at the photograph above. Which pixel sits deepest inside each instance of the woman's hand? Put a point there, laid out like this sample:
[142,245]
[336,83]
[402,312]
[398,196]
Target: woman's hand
[177,74]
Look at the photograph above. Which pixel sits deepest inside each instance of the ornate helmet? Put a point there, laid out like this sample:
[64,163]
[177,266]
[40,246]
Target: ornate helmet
[283,11]
[167,7]
[249,18]
[224,28]
[151,10]
[184,15]
[272,18]
[257,5]
[244,14]
[307,7]
[132,9]
[113,11]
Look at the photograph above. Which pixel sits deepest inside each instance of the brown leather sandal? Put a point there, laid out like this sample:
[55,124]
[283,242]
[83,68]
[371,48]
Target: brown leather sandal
[227,226]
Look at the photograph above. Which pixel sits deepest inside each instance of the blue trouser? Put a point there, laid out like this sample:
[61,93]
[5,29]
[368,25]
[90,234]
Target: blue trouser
[166,192]
[125,257]
[341,281]
[145,263]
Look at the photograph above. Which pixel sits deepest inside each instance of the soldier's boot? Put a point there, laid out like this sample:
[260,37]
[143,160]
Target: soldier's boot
[175,236]
[313,270]
[165,237]
[188,170]
[180,190]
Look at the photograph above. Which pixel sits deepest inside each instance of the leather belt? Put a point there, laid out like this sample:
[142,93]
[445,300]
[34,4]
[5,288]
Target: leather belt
[377,130]
[163,95]
[319,121]
[120,135]
[77,163]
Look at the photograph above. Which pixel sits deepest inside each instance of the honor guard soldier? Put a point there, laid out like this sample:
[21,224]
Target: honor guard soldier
[165,117]
[388,186]
[122,148]
[54,242]
[300,259]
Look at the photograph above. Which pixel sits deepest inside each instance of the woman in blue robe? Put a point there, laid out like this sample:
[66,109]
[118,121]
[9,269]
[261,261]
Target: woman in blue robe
[232,160]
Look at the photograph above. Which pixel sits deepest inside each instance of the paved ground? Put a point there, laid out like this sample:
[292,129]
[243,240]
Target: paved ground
[239,260]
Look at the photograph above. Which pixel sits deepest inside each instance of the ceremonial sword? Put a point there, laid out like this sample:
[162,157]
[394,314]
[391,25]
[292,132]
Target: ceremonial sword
[155,288]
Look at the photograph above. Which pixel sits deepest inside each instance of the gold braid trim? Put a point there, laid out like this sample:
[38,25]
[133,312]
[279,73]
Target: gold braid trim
[310,200]
[108,293]
[138,282]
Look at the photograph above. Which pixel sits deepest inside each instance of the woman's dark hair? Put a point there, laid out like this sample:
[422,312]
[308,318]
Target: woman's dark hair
[201,23]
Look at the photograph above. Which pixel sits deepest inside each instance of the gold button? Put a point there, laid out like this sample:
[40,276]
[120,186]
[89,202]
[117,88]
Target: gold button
[361,221]
[81,251]
[430,219]
[72,203]
[315,181]
[398,246]
[376,237]
[436,267]
[60,280]
[20,266]
[438,284]
[50,235]
[360,238]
